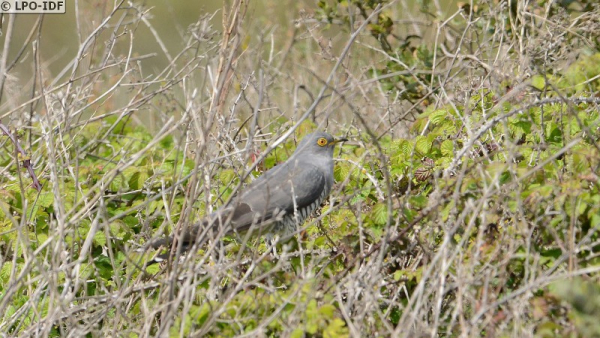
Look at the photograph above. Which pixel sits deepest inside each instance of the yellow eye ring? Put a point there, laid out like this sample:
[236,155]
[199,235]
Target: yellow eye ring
[322,142]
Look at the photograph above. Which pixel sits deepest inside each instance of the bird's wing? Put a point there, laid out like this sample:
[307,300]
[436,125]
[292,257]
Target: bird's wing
[281,190]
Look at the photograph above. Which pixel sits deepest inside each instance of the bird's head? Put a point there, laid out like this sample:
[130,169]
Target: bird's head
[318,144]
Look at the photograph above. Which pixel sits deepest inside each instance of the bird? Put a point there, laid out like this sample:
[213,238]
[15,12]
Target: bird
[275,204]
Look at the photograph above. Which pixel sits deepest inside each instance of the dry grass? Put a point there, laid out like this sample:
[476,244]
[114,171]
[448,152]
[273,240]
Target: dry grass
[232,95]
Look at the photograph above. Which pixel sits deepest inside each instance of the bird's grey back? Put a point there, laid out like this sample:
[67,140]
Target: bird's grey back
[295,188]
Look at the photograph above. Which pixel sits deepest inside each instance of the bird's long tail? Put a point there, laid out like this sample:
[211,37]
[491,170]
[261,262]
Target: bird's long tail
[195,235]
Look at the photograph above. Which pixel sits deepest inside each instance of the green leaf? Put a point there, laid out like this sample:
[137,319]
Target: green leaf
[327,311]
[153,269]
[379,214]
[46,199]
[447,148]
[100,238]
[538,82]
[418,201]
[553,133]
[397,275]
[297,333]
[312,317]
[423,145]
[336,329]
[119,183]
[118,228]
[438,116]
[166,142]
[405,148]
[341,171]
[5,272]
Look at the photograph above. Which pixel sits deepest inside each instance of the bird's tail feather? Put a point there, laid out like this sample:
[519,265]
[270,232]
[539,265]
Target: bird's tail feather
[197,234]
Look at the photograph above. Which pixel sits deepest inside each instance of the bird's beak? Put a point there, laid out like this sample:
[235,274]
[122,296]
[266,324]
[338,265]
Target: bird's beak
[339,140]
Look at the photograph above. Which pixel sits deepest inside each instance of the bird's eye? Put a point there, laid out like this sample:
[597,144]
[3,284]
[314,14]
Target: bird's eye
[322,141]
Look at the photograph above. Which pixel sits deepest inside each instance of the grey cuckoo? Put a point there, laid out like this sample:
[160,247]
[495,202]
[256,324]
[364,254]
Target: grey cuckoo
[277,202]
